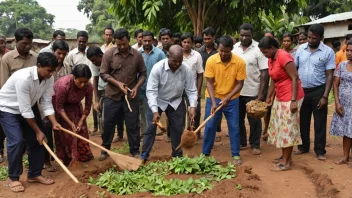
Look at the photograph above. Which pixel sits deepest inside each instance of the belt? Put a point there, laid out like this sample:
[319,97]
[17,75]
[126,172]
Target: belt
[313,88]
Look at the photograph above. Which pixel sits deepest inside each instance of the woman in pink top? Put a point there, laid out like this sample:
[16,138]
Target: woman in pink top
[284,129]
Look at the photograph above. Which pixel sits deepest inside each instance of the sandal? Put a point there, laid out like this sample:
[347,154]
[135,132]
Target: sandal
[256,151]
[217,139]
[340,162]
[277,160]
[2,158]
[46,181]
[51,168]
[349,164]
[299,152]
[16,186]
[265,137]
[237,161]
[280,167]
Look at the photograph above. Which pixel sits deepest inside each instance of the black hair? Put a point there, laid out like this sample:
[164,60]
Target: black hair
[336,43]
[148,33]
[187,35]
[267,42]
[177,35]
[20,33]
[137,32]
[109,28]
[61,45]
[208,31]
[198,39]
[246,26]
[82,34]
[47,59]
[349,43]
[317,28]
[58,32]
[348,37]
[226,41]
[271,32]
[81,71]
[304,33]
[120,33]
[287,34]
[3,37]
[166,32]
[94,51]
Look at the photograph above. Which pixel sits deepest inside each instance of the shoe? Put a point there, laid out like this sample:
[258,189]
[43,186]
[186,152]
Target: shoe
[299,152]
[137,156]
[256,151]
[321,157]
[103,157]
[243,147]
[118,139]
[2,158]
[217,139]
[237,161]
[168,140]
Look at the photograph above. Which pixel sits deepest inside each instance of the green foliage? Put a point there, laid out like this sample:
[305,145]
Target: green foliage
[123,150]
[25,13]
[25,161]
[71,33]
[239,187]
[3,173]
[321,8]
[151,178]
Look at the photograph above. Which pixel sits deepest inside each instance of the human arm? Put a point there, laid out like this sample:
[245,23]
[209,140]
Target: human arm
[192,93]
[264,80]
[152,92]
[200,72]
[271,94]
[329,79]
[338,106]
[209,76]
[291,71]
[88,106]
[95,91]
[60,99]
[5,73]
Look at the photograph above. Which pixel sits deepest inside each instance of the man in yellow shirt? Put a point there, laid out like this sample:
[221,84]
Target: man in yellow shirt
[225,73]
[340,56]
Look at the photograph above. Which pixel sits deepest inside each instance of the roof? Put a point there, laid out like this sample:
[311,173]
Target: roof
[40,41]
[332,18]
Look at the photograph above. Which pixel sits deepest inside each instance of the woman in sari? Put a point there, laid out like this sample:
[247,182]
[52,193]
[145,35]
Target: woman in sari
[69,91]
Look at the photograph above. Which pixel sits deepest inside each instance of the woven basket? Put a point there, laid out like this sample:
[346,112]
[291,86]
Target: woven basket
[253,112]
[258,114]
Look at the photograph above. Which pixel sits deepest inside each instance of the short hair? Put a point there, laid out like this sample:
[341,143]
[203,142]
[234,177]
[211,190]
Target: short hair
[336,43]
[47,59]
[348,37]
[161,30]
[82,34]
[94,51]
[246,26]
[270,32]
[166,32]
[226,41]
[109,28]
[208,31]
[177,35]
[304,34]
[148,33]
[120,33]
[58,32]
[349,43]
[61,45]
[187,35]
[198,39]
[20,33]
[317,29]
[3,37]
[81,71]
[267,42]
[287,34]
[137,32]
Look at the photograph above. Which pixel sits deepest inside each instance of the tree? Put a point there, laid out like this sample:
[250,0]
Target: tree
[71,33]
[321,8]
[25,13]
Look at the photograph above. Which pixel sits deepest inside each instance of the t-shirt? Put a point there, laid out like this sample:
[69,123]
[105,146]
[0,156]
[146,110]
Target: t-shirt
[225,75]
[283,82]
[195,63]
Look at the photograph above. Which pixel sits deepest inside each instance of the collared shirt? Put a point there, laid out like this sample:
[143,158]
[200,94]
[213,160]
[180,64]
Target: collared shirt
[195,62]
[13,61]
[23,89]
[48,48]
[135,46]
[255,61]
[205,55]
[76,57]
[166,87]
[150,60]
[124,69]
[340,56]
[101,83]
[105,47]
[312,66]
[225,75]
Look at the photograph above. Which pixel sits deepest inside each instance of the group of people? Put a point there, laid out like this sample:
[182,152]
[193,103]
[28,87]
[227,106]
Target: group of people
[43,93]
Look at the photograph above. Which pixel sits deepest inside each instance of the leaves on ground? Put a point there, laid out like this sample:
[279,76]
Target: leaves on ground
[3,173]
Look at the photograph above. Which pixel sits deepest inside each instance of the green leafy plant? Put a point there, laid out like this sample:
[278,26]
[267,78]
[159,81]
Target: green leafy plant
[25,161]
[3,173]
[124,149]
[239,187]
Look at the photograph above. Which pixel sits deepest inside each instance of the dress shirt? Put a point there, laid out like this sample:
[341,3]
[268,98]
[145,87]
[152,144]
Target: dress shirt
[166,87]
[23,89]
[313,65]
[76,57]
[195,62]
[48,48]
[255,61]
[205,55]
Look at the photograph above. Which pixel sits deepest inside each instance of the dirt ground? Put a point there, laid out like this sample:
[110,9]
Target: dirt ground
[308,177]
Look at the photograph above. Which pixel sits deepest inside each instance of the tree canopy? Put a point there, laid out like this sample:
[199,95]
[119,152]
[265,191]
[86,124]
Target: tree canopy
[25,13]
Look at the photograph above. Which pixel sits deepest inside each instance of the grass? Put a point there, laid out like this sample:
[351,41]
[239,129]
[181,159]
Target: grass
[124,149]
[3,173]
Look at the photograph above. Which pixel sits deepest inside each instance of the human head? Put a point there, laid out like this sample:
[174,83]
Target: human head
[82,40]
[348,38]
[269,34]
[107,36]
[2,44]
[349,50]
[268,46]
[287,41]
[302,37]
[59,35]
[122,40]
[198,41]
[166,39]
[315,35]
[46,65]
[60,48]
[81,74]
[155,42]
[138,36]
[175,57]
[336,45]
[246,32]
[24,38]
[95,55]
[187,41]
[147,40]
[176,37]
[225,48]
[160,31]
[208,36]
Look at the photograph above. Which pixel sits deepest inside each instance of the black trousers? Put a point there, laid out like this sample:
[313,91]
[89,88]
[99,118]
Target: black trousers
[309,106]
[2,139]
[255,125]
[48,131]
[112,112]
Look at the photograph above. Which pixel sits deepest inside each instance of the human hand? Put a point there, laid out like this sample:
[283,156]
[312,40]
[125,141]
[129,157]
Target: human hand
[322,103]
[97,107]
[192,113]
[122,87]
[79,125]
[134,92]
[293,106]
[339,109]
[213,108]
[225,101]
[156,117]
[40,137]
[73,127]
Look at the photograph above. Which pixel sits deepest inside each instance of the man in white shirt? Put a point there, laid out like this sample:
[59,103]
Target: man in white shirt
[253,87]
[168,80]
[138,36]
[194,61]
[107,36]
[21,120]
[57,35]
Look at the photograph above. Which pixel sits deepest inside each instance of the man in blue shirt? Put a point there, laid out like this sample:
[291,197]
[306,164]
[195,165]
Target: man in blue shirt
[151,56]
[316,64]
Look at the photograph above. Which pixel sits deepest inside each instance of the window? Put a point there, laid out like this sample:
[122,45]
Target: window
[350,27]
